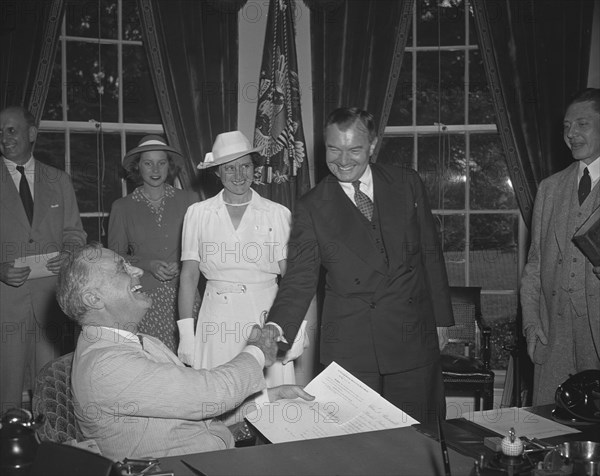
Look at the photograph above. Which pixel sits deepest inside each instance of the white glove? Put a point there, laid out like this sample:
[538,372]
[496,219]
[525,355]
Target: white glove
[186,348]
[301,342]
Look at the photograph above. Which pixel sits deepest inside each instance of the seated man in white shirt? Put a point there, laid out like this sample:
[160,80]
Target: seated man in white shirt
[133,396]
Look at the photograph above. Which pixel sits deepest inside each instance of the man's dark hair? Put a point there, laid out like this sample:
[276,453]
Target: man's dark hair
[26,114]
[346,117]
[588,95]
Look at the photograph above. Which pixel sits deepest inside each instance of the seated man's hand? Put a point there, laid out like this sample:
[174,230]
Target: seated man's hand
[265,339]
[13,276]
[288,391]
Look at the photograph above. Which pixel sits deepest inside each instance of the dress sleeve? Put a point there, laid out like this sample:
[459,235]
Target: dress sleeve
[190,236]
[282,219]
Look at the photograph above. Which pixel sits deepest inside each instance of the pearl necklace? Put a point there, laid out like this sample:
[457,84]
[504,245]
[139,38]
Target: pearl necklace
[237,204]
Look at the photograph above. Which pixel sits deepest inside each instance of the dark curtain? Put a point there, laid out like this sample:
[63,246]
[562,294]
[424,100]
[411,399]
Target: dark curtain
[357,48]
[283,175]
[29,34]
[536,56]
[192,49]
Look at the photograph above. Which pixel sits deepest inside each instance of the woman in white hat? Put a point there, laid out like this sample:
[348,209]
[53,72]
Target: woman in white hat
[237,240]
[145,228]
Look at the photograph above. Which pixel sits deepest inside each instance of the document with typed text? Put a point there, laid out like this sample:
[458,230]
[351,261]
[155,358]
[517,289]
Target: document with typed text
[342,405]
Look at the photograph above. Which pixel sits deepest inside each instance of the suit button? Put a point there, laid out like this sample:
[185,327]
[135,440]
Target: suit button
[356,281]
[410,268]
[410,300]
[30,240]
[373,305]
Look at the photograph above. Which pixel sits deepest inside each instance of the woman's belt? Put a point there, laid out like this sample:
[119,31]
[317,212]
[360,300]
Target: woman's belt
[227,287]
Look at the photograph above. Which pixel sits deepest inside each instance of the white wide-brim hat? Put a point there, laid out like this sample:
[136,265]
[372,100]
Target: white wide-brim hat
[228,146]
[149,143]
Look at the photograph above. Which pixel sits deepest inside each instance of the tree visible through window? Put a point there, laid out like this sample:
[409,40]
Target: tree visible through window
[100,103]
[442,123]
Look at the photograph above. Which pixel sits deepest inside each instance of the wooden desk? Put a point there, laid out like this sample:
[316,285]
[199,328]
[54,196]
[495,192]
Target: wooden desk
[402,451]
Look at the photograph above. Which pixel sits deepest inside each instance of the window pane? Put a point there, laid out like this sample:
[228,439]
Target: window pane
[481,107]
[53,108]
[92,86]
[50,149]
[444,16]
[401,111]
[96,229]
[491,187]
[452,233]
[139,100]
[132,29]
[440,87]
[493,256]
[90,168]
[397,151]
[82,19]
[442,168]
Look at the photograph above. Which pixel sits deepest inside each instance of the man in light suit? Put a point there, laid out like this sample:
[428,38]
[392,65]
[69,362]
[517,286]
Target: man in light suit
[560,289]
[33,327]
[386,284]
[133,396]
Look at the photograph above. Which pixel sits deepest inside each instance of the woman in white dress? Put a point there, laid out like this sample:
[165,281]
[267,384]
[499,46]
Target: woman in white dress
[237,240]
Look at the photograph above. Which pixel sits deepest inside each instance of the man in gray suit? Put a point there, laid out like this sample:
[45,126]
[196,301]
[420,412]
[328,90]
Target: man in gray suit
[38,214]
[560,289]
[133,396]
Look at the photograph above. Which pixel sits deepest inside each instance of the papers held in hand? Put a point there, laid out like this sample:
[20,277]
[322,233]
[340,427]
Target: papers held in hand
[37,264]
[587,237]
[343,405]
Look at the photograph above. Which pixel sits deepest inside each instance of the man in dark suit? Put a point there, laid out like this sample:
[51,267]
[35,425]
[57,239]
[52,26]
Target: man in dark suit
[38,215]
[387,293]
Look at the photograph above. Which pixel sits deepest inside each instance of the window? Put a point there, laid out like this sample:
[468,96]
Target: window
[100,103]
[442,125]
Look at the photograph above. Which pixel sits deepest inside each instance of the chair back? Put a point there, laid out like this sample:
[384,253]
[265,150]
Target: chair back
[53,398]
[464,338]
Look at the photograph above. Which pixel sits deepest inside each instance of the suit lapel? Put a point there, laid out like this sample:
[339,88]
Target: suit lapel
[10,200]
[344,219]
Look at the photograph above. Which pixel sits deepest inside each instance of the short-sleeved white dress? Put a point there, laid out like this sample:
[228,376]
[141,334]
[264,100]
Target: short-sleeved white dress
[241,268]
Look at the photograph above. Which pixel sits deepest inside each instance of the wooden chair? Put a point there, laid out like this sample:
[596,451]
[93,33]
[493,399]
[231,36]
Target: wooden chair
[466,358]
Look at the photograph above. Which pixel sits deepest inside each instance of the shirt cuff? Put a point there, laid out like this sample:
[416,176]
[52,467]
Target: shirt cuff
[281,338]
[256,353]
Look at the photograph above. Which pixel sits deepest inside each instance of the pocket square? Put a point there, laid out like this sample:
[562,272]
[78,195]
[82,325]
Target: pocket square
[54,205]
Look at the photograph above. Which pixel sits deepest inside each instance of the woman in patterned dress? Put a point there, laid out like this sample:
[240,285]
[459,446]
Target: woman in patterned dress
[237,240]
[145,228]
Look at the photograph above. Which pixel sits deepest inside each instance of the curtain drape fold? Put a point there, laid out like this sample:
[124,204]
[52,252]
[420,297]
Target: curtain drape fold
[536,56]
[30,32]
[357,49]
[192,51]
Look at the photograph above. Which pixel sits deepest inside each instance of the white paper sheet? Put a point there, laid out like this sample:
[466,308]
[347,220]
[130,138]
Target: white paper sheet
[342,405]
[525,423]
[37,263]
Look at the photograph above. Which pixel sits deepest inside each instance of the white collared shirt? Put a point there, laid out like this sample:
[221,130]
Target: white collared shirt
[593,169]
[366,185]
[16,175]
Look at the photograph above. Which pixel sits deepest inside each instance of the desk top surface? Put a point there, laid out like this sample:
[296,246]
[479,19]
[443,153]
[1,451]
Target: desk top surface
[402,451]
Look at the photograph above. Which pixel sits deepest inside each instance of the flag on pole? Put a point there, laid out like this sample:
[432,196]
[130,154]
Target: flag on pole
[283,174]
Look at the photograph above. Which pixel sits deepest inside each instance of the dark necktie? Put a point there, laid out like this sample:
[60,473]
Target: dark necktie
[363,202]
[25,193]
[141,339]
[585,186]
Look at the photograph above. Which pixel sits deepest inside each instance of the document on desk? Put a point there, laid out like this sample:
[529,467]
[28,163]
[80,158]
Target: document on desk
[343,405]
[525,423]
[37,264]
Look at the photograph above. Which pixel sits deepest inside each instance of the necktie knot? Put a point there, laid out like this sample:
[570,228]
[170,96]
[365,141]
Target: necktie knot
[585,186]
[363,202]
[21,169]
